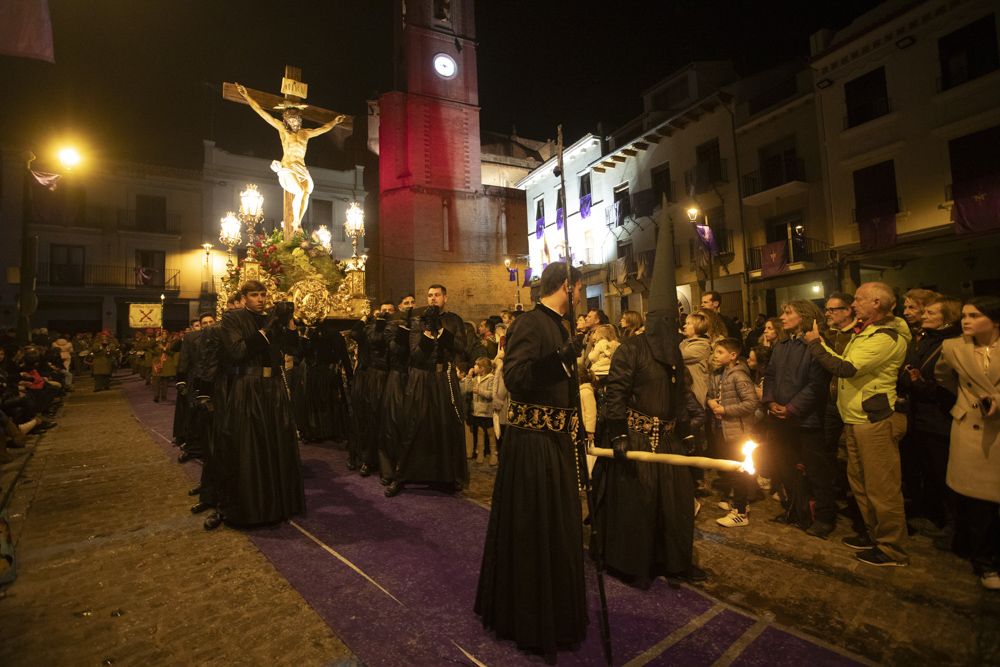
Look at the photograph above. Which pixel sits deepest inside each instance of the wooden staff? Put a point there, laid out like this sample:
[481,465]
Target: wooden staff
[580,444]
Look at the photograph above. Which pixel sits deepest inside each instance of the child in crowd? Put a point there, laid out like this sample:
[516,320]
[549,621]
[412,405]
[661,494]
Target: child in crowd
[733,402]
[479,383]
[588,405]
[604,341]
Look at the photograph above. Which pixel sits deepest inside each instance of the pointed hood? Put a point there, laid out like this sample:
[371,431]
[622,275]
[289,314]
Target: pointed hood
[662,326]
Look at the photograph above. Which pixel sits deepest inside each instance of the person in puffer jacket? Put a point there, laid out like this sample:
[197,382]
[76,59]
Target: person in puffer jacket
[866,397]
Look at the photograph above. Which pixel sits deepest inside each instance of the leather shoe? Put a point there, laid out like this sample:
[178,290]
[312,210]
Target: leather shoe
[195,491]
[393,489]
[819,529]
[213,521]
[200,507]
[365,470]
[385,481]
[184,457]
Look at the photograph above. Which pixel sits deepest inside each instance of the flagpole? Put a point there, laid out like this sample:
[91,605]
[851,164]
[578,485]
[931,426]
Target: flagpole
[581,442]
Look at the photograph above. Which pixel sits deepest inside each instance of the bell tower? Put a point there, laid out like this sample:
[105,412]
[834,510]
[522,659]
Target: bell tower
[432,218]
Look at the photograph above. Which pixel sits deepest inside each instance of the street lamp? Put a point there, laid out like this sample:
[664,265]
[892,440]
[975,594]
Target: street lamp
[693,212]
[354,227]
[207,247]
[69,157]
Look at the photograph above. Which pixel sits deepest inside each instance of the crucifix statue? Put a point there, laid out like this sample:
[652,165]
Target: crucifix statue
[291,169]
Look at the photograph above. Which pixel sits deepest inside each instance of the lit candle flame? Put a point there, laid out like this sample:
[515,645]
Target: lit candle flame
[748,467]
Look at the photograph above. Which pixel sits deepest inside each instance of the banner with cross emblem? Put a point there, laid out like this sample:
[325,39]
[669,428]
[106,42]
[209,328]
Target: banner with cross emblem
[145,315]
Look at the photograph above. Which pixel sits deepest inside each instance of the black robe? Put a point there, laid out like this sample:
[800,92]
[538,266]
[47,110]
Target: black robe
[317,385]
[258,452]
[432,442]
[644,512]
[207,380]
[378,371]
[392,417]
[361,420]
[531,584]
[182,404]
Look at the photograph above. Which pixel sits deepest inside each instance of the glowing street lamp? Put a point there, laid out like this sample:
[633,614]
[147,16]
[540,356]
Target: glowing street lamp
[69,157]
[693,213]
[207,247]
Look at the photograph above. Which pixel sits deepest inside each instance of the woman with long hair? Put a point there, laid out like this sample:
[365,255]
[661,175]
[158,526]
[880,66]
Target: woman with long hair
[970,366]
[631,323]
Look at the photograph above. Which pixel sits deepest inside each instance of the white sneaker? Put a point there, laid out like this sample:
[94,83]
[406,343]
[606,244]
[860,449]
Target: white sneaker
[724,505]
[990,581]
[697,507]
[734,519]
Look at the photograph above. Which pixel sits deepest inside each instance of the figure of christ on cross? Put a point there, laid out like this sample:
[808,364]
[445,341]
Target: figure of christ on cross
[291,170]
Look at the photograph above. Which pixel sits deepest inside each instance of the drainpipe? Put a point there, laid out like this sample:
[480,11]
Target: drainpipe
[739,198]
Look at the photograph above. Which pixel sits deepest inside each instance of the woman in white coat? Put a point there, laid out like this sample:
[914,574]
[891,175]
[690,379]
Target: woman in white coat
[970,365]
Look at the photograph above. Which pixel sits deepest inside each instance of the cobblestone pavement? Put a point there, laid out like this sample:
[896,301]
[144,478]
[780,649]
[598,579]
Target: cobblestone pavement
[113,569]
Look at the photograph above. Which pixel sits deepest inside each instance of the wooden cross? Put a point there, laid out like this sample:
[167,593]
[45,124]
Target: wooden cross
[294,92]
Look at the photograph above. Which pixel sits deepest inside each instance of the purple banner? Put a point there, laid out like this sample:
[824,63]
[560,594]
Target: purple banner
[559,218]
[527,277]
[585,206]
[539,227]
[707,237]
[977,205]
[512,275]
[774,259]
[877,226]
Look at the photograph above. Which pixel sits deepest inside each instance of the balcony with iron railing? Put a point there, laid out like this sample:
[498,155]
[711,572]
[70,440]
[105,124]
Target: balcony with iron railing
[107,276]
[704,175]
[778,178]
[800,249]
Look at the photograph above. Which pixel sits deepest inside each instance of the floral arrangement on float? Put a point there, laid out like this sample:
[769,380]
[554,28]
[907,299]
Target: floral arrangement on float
[299,270]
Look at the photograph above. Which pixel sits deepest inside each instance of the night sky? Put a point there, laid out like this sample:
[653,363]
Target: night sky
[140,80]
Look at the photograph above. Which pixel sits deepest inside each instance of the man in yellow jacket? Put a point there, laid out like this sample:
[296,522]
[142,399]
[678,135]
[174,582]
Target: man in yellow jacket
[866,399]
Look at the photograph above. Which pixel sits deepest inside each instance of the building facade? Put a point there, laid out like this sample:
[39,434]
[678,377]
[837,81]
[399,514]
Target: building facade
[875,160]
[113,233]
[908,106]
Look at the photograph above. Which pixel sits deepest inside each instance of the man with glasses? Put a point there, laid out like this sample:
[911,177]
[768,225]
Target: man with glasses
[841,324]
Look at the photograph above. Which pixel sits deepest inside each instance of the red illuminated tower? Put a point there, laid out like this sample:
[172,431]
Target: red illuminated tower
[437,221]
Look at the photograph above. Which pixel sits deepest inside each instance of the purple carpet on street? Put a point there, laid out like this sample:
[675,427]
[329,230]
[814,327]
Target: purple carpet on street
[395,579]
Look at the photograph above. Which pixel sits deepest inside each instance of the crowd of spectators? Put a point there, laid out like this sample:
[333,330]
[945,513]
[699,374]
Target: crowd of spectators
[888,422]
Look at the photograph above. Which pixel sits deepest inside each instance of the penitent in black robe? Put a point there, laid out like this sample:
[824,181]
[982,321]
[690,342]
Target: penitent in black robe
[392,417]
[432,438]
[644,514]
[317,385]
[531,584]
[258,453]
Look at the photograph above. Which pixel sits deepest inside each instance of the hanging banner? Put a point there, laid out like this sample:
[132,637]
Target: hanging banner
[145,315]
